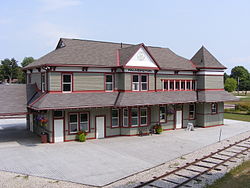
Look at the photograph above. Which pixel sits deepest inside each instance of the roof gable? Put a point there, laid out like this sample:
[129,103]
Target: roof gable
[137,56]
[204,59]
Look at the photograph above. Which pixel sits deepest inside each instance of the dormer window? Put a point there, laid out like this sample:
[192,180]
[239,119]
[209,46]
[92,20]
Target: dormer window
[109,82]
[67,82]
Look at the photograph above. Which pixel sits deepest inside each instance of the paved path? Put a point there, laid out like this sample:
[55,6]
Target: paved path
[99,162]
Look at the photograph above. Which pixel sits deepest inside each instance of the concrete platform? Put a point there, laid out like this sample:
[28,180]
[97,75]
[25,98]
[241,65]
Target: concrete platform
[99,162]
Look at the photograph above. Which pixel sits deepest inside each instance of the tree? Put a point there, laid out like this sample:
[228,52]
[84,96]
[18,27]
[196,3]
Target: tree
[230,84]
[9,69]
[26,61]
[245,85]
[226,76]
[239,72]
[21,75]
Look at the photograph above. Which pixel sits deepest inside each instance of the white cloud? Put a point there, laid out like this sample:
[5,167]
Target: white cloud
[50,33]
[53,5]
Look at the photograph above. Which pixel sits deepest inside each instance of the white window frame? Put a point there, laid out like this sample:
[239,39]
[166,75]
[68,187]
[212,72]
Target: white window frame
[109,83]
[144,116]
[71,77]
[137,117]
[77,123]
[118,118]
[137,83]
[141,82]
[84,121]
[125,117]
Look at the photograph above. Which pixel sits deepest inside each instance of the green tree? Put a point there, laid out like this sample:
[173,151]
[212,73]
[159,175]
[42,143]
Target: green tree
[230,84]
[226,76]
[9,69]
[245,85]
[21,74]
[239,72]
[26,61]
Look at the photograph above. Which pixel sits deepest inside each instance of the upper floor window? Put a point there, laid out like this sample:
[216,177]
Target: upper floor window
[214,108]
[135,83]
[109,82]
[191,111]
[178,85]
[139,82]
[144,82]
[43,82]
[67,82]
[115,118]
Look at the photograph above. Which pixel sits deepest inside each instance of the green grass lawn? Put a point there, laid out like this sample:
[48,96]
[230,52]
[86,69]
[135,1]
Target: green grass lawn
[238,177]
[241,117]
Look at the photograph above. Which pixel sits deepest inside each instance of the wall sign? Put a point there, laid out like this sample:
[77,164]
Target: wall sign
[139,70]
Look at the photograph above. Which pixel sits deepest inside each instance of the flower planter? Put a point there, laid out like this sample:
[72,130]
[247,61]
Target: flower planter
[44,138]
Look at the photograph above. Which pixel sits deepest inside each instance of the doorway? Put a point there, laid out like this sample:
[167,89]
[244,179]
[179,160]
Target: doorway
[100,126]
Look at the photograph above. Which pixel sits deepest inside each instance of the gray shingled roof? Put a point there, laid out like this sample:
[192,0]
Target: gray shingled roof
[95,53]
[204,59]
[74,100]
[126,53]
[215,96]
[86,100]
[154,98]
[13,99]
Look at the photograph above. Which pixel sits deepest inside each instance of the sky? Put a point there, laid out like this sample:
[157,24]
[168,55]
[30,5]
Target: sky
[33,27]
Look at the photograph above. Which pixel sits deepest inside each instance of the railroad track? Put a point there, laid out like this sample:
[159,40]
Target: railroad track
[192,172]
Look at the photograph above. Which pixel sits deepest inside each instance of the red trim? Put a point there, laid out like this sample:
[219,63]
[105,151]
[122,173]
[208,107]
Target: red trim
[37,99]
[210,90]
[211,68]
[104,125]
[212,126]
[209,75]
[168,129]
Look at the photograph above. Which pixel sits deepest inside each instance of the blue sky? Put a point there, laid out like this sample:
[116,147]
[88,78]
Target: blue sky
[33,27]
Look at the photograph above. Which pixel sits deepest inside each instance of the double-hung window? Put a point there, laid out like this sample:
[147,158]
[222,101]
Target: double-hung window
[177,85]
[109,82]
[182,85]
[171,84]
[163,117]
[143,116]
[134,117]
[67,82]
[214,108]
[43,82]
[188,85]
[125,117]
[115,117]
[144,82]
[135,83]
[191,111]
[84,122]
[73,123]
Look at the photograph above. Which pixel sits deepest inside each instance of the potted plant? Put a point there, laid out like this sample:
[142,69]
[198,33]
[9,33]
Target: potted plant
[81,136]
[158,129]
[43,123]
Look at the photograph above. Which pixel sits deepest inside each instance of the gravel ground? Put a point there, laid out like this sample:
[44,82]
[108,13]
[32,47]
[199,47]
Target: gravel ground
[10,180]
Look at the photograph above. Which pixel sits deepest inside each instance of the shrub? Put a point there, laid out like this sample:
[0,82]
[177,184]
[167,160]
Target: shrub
[242,107]
[81,136]
[158,129]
